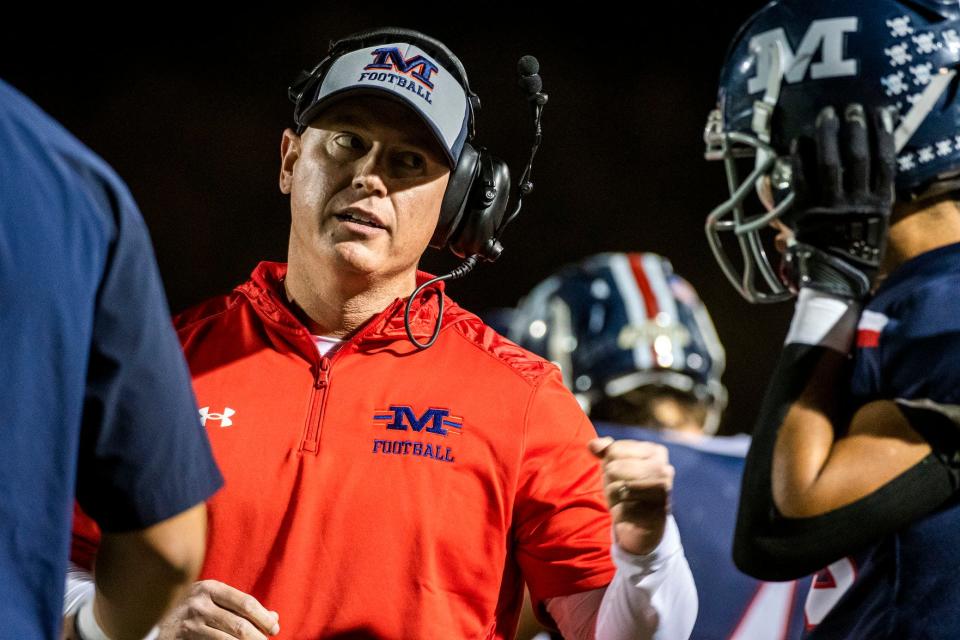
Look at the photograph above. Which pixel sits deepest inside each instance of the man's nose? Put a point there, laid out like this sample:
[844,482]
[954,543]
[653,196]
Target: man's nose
[369,174]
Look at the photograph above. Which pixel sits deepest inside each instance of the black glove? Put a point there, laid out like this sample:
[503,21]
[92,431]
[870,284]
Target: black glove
[843,182]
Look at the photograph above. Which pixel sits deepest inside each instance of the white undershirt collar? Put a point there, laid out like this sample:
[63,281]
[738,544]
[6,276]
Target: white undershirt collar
[325,344]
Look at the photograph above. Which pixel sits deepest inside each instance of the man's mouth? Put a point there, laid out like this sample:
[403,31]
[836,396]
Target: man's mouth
[359,218]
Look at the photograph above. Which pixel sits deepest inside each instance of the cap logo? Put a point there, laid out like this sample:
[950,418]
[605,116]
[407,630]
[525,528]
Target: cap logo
[390,59]
[825,36]
[411,75]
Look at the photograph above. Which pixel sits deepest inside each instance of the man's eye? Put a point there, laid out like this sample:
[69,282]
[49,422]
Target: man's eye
[411,161]
[349,141]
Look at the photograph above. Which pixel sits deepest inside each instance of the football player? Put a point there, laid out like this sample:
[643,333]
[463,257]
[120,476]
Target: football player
[846,114]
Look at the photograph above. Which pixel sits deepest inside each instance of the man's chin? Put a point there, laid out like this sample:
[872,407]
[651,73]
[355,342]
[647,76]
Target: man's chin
[359,258]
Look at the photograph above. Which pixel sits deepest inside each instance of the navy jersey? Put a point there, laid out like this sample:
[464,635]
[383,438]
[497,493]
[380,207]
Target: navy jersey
[95,397]
[733,606]
[908,351]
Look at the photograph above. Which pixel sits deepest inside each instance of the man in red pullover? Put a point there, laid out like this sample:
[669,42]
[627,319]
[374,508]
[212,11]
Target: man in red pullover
[378,489]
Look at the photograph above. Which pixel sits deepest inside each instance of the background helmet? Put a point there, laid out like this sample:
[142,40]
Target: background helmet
[792,58]
[619,321]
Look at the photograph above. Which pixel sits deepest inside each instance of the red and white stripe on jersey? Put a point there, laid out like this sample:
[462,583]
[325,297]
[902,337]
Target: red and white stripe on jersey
[828,587]
[649,301]
[869,329]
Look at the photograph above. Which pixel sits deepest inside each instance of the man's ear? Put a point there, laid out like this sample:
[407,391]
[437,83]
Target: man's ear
[289,153]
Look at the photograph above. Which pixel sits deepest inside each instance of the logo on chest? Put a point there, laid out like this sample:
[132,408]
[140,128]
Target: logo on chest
[223,418]
[434,421]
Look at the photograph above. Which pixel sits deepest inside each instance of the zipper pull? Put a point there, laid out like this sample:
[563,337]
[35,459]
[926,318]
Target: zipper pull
[323,374]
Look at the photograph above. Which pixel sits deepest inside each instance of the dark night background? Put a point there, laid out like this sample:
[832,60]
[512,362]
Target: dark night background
[188,107]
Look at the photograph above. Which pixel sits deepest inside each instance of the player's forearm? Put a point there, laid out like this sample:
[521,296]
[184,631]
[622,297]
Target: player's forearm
[770,546]
[762,548]
[792,439]
[827,455]
[140,575]
[804,442]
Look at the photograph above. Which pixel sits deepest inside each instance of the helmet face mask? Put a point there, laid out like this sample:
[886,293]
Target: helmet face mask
[794,57]
[756,280]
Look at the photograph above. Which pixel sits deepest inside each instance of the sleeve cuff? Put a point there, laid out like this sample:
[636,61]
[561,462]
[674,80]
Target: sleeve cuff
[825,320]
[668,547]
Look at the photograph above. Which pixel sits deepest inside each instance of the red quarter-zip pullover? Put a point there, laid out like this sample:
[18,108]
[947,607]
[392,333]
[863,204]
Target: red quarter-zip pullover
[385,491]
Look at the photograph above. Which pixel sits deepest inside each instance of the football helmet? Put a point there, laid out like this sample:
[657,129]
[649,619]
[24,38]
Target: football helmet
[616,322]
[794,57]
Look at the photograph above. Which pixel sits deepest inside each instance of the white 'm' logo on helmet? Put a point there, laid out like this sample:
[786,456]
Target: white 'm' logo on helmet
[824,35]
[224,417]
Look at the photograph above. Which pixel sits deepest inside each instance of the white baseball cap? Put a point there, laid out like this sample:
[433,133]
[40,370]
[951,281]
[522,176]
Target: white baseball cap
[404,72]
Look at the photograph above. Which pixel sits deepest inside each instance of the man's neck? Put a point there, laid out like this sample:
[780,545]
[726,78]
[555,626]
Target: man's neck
[335,304]
[917,229]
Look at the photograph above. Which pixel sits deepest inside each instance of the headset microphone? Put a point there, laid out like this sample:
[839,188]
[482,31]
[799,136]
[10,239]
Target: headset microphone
[531,84]
[530,81]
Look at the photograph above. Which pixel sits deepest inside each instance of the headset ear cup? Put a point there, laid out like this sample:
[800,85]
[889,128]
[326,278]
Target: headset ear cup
[455,197]
[486,205]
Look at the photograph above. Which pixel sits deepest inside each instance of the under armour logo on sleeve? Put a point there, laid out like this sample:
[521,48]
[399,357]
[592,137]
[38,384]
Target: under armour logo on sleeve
[224,417]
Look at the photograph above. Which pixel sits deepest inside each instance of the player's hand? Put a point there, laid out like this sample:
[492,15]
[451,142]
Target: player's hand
[843,181]
[216,610]
[637,479]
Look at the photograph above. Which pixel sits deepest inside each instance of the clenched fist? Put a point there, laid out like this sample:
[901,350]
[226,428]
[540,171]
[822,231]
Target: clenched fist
[637,479]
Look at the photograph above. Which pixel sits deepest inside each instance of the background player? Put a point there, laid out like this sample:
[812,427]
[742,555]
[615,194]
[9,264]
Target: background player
[94,393]
[848,113]
[639,350]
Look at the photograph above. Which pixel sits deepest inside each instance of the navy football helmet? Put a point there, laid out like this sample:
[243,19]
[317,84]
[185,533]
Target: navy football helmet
[794,57]
[617,322]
